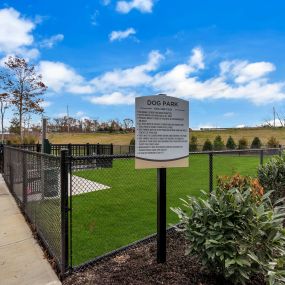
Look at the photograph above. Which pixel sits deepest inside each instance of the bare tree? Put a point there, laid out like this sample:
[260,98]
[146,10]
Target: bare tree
[4,101]
[128,124]
[25,87]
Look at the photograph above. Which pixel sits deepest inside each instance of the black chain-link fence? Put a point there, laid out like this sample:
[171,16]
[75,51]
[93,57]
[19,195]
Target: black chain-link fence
[34,180]
[84,207]
[113,204]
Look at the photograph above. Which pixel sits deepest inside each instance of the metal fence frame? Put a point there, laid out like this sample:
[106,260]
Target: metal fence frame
[65,165]
[23,178]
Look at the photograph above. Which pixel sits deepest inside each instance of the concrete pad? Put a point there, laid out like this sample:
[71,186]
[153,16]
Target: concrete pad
[11,230]
[82,185]
[22,260]
[23,263]
[8,206]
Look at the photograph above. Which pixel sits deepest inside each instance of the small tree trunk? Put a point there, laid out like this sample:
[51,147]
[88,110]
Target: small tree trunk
[21,130]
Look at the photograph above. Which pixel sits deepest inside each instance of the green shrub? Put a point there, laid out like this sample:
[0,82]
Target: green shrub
[207,145]
[272,176]
[193,145]
[231,143]
[235,236]
[133,141]
[218,143]
[272,142]
[243,143]
[256,143]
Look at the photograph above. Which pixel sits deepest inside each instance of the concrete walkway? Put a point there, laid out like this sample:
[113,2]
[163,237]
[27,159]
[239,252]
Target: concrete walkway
[22,261]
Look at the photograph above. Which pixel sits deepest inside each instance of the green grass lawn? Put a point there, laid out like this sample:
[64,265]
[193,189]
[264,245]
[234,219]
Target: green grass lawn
[108,219]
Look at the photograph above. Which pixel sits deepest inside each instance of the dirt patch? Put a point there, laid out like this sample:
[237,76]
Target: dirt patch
[138,266]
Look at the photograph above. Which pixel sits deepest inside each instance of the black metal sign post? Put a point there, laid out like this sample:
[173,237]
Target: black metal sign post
[161,215]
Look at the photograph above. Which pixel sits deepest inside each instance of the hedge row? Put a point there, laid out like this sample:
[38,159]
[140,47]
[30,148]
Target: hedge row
[218,143]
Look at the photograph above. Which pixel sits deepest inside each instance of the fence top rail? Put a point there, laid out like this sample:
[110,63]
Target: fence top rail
[131,155]
[127,155]
[30,152]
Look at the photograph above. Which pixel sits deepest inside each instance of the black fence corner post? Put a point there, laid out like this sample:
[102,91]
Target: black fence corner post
[87,149]
[261,156]
[64,209]
[112,149]
[210,172]
[69,146]
[161,215]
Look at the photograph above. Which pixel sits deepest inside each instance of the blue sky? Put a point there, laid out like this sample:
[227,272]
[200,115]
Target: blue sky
[97,56]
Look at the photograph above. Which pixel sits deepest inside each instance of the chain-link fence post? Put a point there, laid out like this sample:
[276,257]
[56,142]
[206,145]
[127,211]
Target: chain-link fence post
[69,146]
[261,156]
[87,149]
[280,150]
[64,209]
[210,172]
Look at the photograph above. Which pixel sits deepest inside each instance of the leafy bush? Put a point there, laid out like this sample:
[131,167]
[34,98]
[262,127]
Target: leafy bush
[256,143]
[218,143]
[234,236]
[231,143]
[207,145]
[242,183]
[133,141]
[272,176]
[243,143]
[272,142]
[193,145]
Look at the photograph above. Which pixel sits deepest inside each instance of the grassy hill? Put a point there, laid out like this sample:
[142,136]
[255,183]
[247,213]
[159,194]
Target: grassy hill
[123,139]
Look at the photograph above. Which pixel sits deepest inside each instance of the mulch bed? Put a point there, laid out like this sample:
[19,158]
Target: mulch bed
[138,266]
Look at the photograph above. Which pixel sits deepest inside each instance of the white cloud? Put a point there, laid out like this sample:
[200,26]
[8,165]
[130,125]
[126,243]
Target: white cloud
[115,98]
[94,18]
[15,31]
[240,126]
[50,42]
[235,80]
[60,77]
[243,71]
[144,6]
[131,77]
[256,87]
[119,35]
[197,59]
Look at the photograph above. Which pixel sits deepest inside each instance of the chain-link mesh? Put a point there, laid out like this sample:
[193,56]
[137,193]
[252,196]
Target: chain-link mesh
[114,205]
[34,180]
[243,162]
